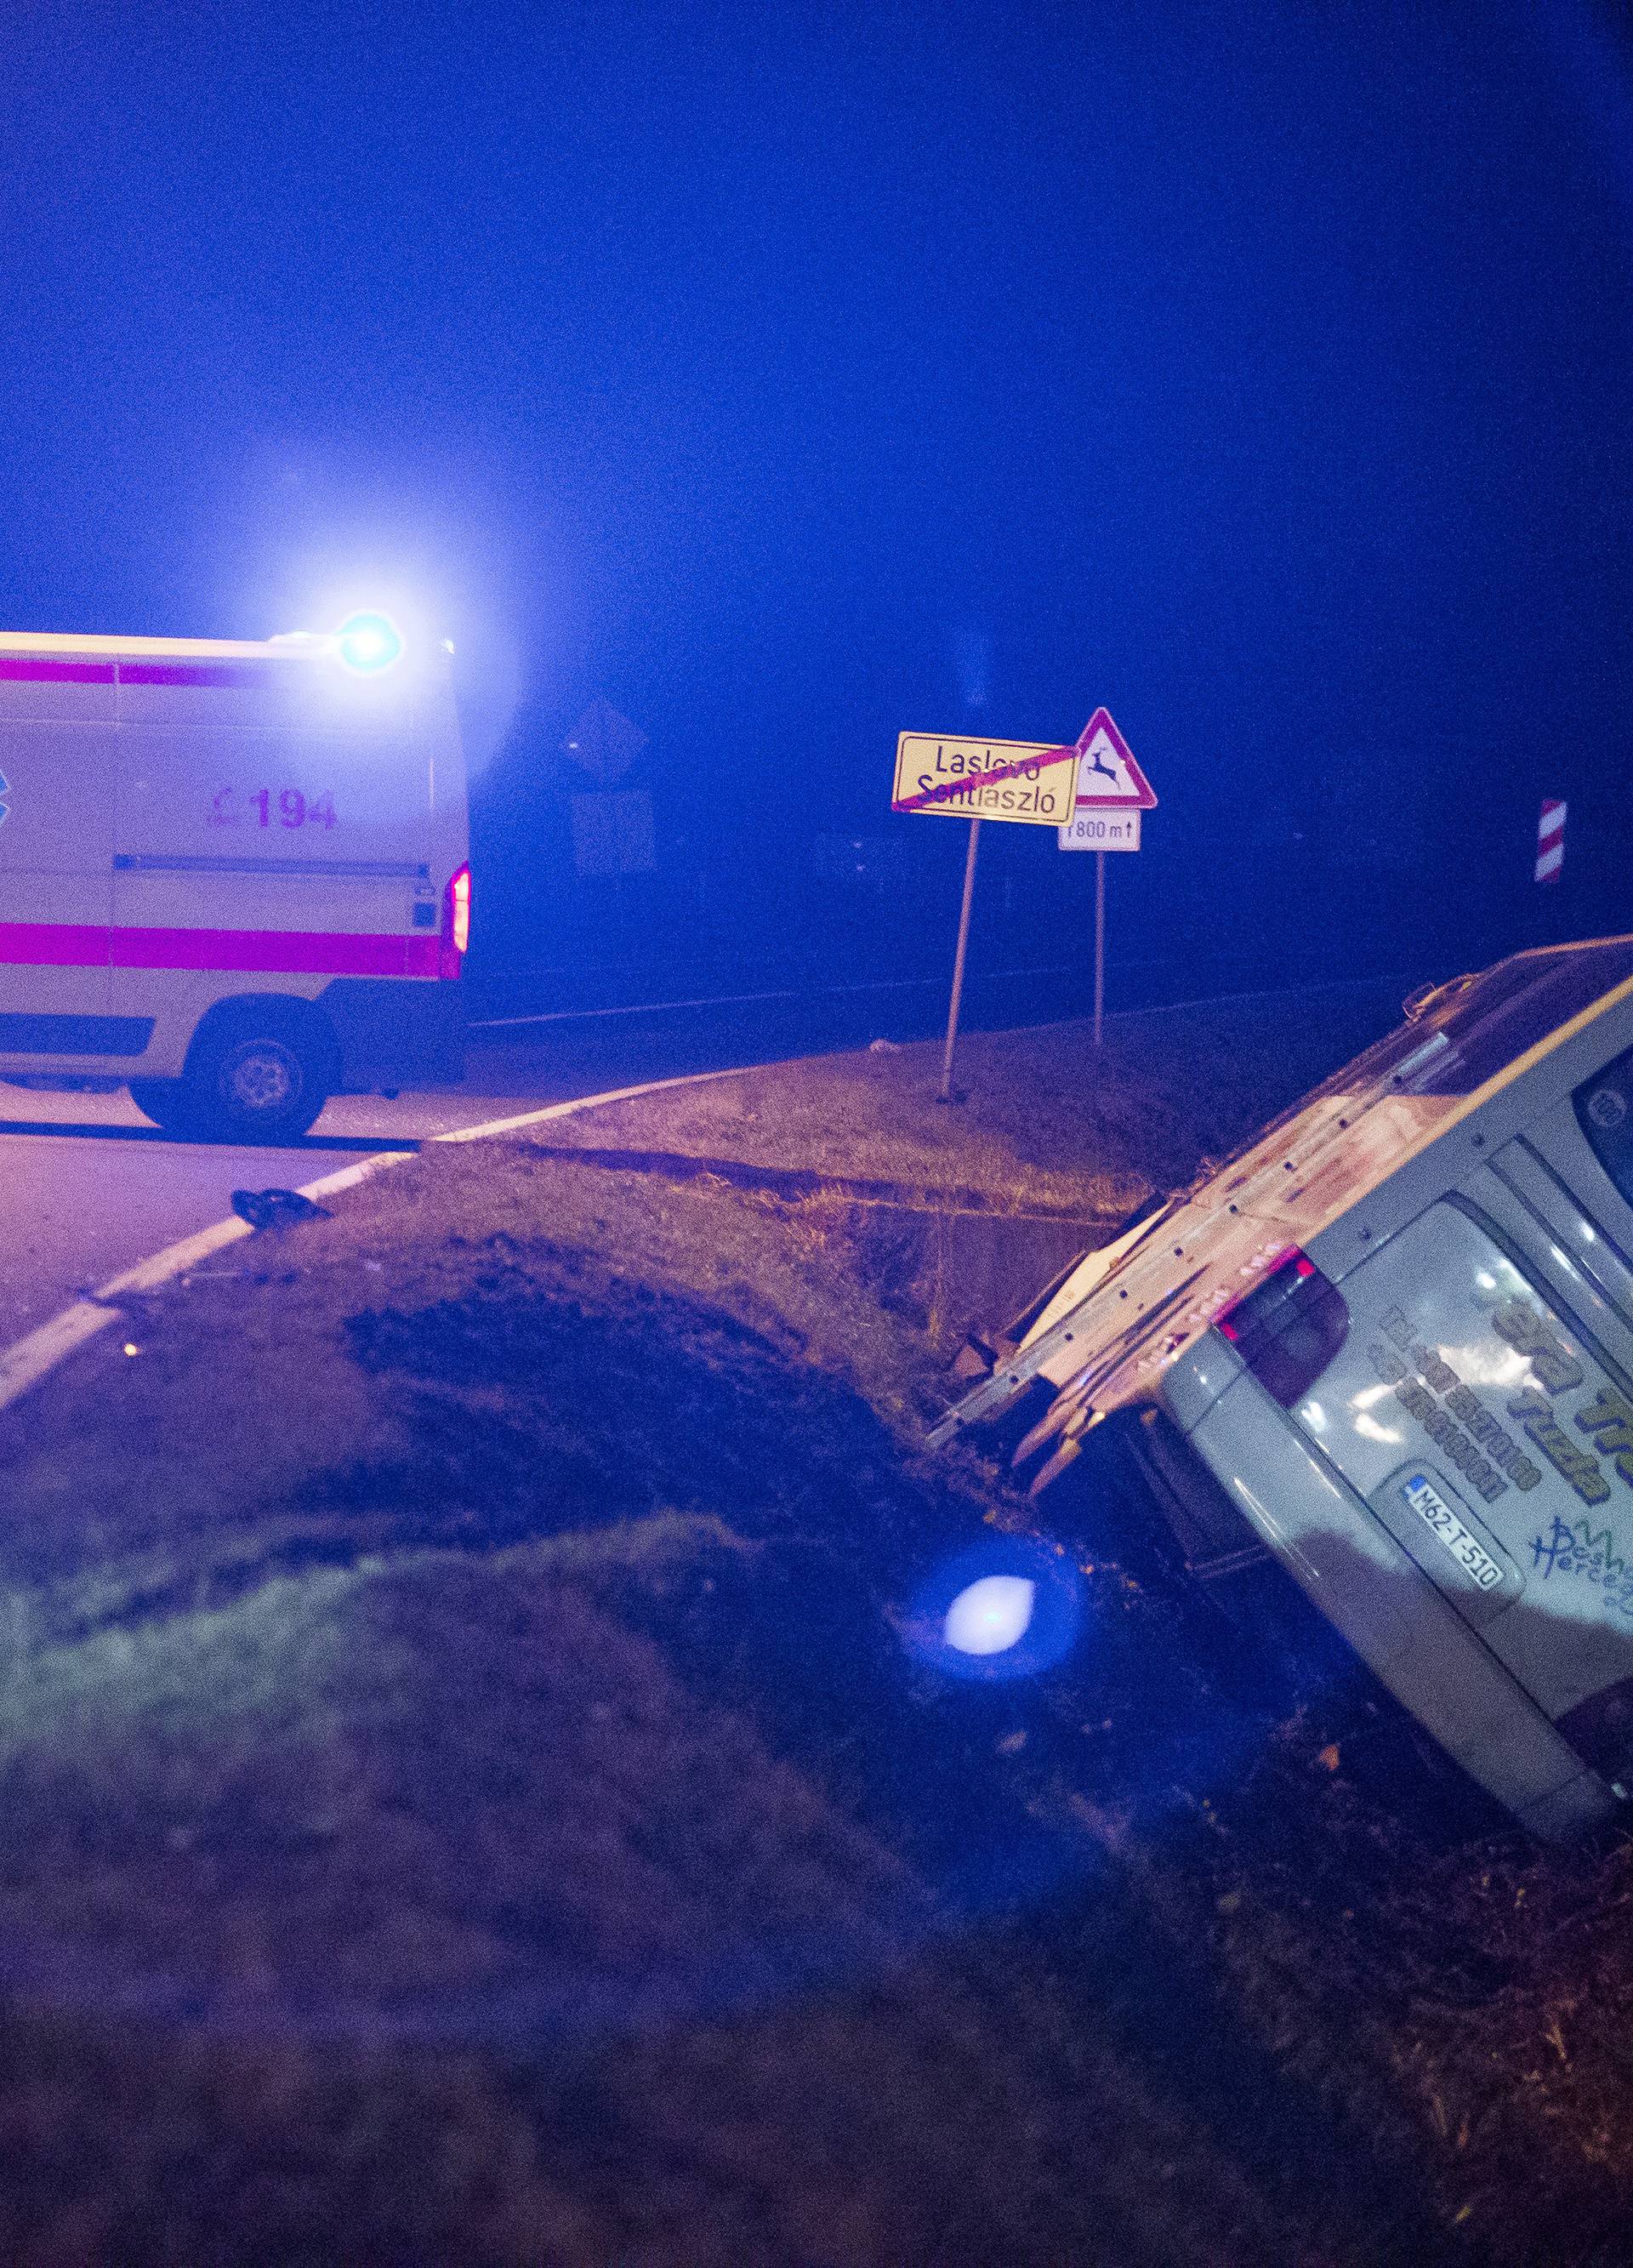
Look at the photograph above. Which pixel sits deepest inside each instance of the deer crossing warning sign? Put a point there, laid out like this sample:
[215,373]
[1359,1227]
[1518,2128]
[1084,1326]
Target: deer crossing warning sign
[1034,782]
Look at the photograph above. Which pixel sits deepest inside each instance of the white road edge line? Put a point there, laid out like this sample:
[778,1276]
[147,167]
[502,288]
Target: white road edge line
[29,1359]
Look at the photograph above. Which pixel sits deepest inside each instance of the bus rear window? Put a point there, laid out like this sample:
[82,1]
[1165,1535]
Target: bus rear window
[1604,1105]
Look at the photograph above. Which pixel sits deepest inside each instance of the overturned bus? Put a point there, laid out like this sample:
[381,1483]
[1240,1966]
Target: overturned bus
[1389,1345]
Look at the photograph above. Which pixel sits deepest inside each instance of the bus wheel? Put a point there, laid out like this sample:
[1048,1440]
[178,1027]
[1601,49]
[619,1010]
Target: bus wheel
[257,1085]
[168,1102]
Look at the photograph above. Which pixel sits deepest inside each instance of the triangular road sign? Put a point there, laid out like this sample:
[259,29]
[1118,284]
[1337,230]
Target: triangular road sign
[1107,775]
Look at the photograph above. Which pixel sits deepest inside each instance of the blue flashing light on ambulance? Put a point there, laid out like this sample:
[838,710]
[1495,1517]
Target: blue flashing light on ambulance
[1387,1351]
[233,874]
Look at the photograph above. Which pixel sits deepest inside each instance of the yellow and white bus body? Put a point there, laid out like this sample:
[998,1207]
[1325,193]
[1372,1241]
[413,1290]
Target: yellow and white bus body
[1391,1345]
[233,874]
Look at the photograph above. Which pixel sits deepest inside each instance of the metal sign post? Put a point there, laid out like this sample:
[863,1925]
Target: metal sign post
[1031,782]
[1112,793]
[1099,943]
[946,1094]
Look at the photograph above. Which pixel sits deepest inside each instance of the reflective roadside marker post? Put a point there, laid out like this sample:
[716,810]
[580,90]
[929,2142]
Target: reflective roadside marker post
[1550,859]
[1028,782]
[1112,793]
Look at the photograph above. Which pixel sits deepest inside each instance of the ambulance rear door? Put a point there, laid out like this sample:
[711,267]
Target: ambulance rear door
[56,841]
[272,835]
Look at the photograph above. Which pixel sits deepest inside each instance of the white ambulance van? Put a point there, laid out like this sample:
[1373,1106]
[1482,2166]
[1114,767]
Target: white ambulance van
[234,875]
[1390,1346]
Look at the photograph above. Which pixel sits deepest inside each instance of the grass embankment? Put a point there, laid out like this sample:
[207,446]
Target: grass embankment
[1044,1126]
[466,1795]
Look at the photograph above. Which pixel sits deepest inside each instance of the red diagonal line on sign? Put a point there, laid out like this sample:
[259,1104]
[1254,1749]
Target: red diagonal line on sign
[948,789]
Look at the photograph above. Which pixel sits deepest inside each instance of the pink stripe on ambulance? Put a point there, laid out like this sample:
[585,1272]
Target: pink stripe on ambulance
[320,953]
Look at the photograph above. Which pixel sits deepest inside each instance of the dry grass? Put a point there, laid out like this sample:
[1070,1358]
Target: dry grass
[1047,1120]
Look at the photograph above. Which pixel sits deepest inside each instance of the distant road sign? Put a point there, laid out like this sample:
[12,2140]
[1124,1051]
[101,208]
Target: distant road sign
[1108,778]
[604,742]
[1101,830]
[1032,783]
[1551,841]
[613,833]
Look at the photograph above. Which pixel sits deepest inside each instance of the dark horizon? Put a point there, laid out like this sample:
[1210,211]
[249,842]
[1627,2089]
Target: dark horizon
[788,379]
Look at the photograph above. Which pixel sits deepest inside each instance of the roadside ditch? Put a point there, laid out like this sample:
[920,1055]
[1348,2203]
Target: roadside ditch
[473,1788]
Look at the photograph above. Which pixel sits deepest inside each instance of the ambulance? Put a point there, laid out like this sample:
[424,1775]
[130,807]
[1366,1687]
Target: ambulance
[232,875]
[1387,1350]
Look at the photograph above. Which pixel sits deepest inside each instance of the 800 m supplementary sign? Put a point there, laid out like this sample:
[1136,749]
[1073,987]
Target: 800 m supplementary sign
[1034,782]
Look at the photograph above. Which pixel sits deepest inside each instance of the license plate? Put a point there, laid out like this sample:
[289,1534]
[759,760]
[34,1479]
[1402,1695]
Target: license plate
[1469,1552]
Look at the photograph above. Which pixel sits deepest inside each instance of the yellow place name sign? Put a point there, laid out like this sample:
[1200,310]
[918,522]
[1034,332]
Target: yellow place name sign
[1034,782]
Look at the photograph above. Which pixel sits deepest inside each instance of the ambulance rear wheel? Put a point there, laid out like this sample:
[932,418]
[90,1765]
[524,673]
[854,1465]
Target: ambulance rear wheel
[257,1086]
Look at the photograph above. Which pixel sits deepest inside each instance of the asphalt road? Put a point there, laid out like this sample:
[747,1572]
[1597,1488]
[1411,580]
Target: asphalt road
[88,1187]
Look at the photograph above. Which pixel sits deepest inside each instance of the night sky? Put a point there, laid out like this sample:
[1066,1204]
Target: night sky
[792,375]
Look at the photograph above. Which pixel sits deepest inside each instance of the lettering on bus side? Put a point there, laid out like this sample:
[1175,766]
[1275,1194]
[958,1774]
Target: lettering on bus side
[1455,1446]
[1609,1422]
[1450,1411]
[1554,1368]
[1577,1549]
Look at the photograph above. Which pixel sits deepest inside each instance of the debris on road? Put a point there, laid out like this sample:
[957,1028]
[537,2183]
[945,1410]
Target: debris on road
[277,1210]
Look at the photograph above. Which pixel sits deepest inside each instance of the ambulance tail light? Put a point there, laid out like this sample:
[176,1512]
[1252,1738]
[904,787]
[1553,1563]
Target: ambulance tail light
[456,921]
[1287,1327]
